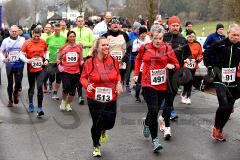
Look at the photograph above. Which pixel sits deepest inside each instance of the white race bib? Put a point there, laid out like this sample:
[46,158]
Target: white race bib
[117,54]
[192,65]
[37,62]
[158,76]
[103,94]
[71,57]
[13,56]
[228,74]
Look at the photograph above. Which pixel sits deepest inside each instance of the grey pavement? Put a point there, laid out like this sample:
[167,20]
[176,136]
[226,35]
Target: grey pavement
[66,136]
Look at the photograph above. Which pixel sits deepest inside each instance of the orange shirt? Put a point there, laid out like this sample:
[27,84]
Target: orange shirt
[196,50]
[35,50]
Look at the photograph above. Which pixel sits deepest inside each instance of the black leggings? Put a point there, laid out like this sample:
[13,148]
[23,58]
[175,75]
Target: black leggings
[53,73]
[122,73]
[17,74]
[130,67]
[226,98]
[70,83]
[32,77]
[103,118]
[154,99]
[138,85]
[188,87]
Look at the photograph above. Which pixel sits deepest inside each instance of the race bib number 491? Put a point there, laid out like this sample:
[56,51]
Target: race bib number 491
[71,57]
[158,76]
[228,74]
[37,62]
[103,94]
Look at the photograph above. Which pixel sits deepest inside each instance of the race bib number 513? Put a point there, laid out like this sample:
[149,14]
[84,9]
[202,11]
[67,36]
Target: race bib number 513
[228,74]
[158,76]
[103,94]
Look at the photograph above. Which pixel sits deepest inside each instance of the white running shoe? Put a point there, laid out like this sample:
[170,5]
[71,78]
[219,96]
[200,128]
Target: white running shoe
[188,101]
[68,107]
[161,123]
[183,99]
[63,105]
[167,133]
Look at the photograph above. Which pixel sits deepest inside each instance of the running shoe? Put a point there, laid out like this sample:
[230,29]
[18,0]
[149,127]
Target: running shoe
[217,135]
[10,104]
[156,145]
[173,116]
[128,88]
[188,101]
[183,99]
[55,96]
[68,107]
[63,105]
[31,107]
[167,133]
[138,99]
[40,112]
[146,130]
[104,137]
[96,152]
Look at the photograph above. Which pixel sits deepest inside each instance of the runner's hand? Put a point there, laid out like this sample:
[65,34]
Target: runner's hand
[187,61]
[170,66]
[135,78]
[90,87]
[119,88]
[5,60]
[29,60]
[46,62]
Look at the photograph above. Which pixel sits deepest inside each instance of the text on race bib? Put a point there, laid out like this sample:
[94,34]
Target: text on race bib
[71,57]
[192,65]
[117,54]
[103,94]
[37,62]
[228,74]
[13,56]
[158,76]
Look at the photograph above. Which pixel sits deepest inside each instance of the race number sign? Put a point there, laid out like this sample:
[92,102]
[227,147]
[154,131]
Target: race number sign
[37,62]
[192,64]
[13,56]
[71,57]
[103,94]
[228,74]
[158,76]
[117,54]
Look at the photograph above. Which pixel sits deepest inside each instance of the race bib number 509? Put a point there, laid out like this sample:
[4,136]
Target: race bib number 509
[158,76]
[71,57]
[103,94]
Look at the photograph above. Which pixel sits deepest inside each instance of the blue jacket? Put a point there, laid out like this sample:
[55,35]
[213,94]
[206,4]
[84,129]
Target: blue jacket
[212,38]
[132,36]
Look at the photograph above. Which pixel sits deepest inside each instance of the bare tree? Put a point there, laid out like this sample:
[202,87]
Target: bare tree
[107,2]
[77,4]
[15,10]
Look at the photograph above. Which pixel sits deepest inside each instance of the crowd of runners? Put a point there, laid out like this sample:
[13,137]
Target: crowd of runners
[97,63]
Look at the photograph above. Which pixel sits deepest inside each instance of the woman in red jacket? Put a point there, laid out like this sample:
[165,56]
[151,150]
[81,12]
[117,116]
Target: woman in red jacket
[196,50]
[102,80]
[69,61]
[158,57]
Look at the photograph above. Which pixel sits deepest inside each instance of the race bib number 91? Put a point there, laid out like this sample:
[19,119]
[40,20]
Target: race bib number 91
[117,54]
[13,56]
[37,62]
[71,57]
[228,74]
[158,76]
[103,94]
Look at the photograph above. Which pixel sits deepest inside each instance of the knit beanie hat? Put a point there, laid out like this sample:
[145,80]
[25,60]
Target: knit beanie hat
[142,29]
[219,25]
[188,23]
[173,19]
[136,25]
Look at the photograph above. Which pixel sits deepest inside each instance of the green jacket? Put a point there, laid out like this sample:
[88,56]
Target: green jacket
[184,34]
[85,36]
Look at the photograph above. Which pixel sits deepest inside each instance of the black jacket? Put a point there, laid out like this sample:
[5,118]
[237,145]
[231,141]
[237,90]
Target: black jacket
[219,56]
[179,45]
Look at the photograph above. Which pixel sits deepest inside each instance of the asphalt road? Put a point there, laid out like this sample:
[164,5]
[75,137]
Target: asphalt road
[66,136]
